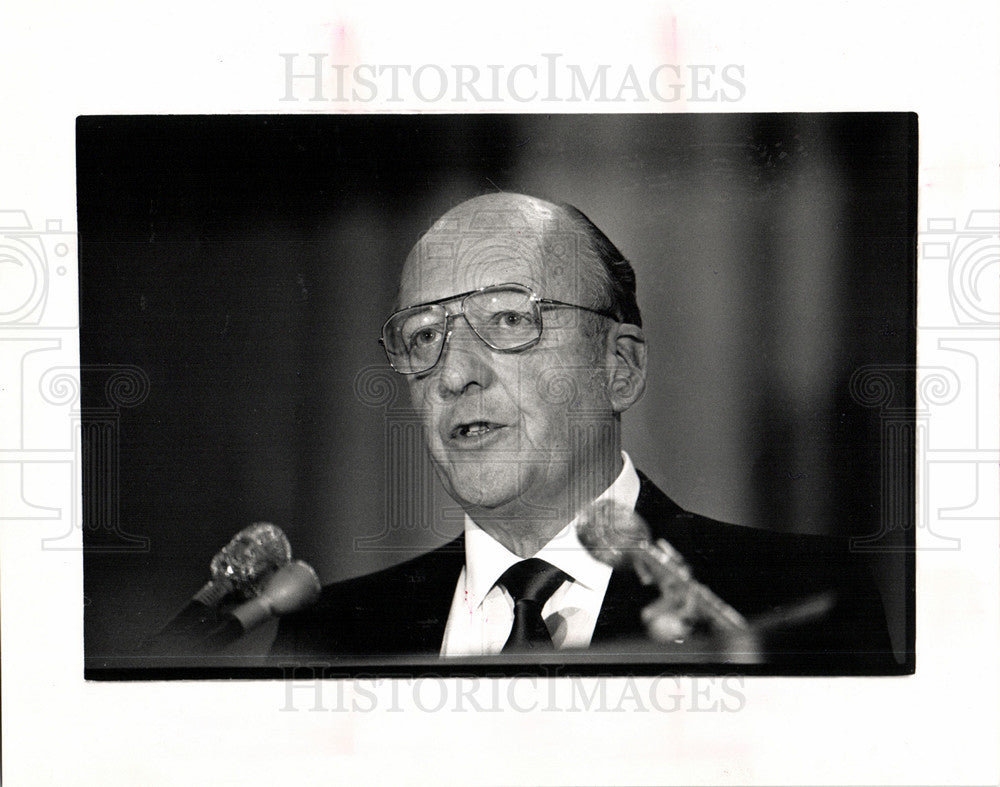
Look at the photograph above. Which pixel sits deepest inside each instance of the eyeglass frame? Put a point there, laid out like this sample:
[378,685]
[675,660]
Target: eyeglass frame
[463,296]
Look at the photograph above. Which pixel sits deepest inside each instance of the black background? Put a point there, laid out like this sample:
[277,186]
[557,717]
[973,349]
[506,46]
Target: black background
[245,264]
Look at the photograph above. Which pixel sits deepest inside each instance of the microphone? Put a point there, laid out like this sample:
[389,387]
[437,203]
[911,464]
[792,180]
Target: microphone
[292,587]
[240,568]
[618,536]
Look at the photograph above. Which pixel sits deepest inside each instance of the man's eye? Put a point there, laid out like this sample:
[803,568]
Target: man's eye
[511,319]
[423,338]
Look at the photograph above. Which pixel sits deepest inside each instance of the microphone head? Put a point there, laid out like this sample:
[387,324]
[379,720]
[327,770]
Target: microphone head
[291,588]
[612,532]
[251,557]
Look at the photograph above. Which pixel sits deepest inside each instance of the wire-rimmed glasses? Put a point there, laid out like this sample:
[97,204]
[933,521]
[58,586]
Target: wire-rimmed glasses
[506,317]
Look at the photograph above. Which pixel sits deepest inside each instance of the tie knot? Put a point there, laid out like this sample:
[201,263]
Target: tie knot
[532,580]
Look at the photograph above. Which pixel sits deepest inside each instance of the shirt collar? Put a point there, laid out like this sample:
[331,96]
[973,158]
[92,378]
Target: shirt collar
[486,559]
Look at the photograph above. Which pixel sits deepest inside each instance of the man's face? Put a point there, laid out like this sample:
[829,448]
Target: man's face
[510,432]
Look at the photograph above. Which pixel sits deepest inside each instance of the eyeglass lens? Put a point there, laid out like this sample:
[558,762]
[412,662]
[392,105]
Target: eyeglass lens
[505,318]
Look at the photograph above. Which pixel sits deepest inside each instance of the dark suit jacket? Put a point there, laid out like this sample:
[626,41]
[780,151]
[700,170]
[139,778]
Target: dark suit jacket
[404,609]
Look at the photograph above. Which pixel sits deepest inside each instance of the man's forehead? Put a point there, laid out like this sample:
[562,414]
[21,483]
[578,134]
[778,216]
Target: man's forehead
[487,242]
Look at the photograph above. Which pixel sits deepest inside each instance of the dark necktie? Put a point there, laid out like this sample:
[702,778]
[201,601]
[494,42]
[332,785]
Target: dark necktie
[530,583]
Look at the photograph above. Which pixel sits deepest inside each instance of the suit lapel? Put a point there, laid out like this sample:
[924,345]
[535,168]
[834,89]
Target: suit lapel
[623,601]
[626,595]
[428,589]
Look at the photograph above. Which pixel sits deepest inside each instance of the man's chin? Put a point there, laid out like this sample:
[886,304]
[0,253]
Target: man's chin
[496,484]
[485,486]
[472,497]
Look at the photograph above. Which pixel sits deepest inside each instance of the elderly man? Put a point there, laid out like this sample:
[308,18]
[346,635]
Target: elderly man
[519,335]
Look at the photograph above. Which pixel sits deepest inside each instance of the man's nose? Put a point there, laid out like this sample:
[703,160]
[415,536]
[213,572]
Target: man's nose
[465,361]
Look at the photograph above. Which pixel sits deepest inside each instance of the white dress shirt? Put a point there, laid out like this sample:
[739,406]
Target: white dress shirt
[482,612]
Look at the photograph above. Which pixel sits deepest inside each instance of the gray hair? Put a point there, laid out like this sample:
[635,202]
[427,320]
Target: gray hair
[616,284]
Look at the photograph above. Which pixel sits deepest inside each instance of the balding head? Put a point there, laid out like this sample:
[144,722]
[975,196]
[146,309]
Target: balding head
[556,245]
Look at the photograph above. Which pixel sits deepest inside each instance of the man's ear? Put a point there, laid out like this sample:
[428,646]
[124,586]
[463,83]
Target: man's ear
[626,354]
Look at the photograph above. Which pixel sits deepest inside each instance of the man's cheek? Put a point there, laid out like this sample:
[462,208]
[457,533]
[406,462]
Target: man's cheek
[425,396]
[544,430]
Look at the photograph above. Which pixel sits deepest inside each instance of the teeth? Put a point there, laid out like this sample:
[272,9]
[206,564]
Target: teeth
[474,429]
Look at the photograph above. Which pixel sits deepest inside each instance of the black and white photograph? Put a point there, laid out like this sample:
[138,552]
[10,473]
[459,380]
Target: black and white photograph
[565,394]
[536,393]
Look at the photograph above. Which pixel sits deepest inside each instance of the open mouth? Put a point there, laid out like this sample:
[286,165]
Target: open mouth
[474,429]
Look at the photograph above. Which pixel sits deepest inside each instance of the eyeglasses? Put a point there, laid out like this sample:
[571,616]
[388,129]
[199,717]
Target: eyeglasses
[506,317]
